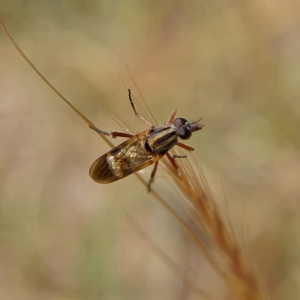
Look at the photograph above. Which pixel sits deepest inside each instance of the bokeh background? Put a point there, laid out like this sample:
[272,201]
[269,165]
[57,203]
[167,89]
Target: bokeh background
[235,63]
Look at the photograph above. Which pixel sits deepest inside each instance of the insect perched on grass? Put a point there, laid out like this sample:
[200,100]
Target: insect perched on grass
[143,149]
[140,150]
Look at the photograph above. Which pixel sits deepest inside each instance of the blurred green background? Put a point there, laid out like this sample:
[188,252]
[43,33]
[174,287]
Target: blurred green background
[235,63]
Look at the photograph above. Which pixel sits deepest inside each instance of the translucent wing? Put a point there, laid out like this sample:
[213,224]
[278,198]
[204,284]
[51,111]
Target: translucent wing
[127,158]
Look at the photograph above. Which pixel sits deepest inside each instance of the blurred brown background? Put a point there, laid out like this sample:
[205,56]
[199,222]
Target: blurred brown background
[235,63]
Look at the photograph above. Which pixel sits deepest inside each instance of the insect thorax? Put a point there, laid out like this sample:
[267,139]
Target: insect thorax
[161,140]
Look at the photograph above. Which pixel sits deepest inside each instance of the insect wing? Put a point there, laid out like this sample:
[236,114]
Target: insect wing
[125,159]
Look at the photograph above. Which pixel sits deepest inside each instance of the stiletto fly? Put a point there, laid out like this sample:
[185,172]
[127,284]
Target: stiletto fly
[143,149]
[140,150]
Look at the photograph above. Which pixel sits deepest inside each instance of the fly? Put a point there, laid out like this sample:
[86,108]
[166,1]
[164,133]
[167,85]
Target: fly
[143,149]
[140,150]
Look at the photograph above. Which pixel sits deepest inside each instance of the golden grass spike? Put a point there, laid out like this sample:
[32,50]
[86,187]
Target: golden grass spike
[225,254]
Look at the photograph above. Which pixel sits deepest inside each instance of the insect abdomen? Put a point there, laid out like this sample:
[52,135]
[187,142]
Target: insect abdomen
[101,171]
[125,159]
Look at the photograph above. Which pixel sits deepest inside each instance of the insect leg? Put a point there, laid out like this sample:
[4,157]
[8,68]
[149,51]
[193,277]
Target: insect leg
[113,134]
[172,160]
[152,176]
[178,156]
[172,117]
[136,113]
[185,147]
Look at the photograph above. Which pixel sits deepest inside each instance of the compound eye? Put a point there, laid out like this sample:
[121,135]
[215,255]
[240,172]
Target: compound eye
[179,122]
[183,132]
